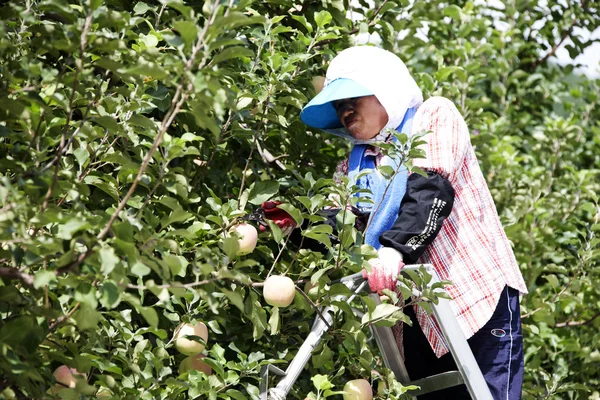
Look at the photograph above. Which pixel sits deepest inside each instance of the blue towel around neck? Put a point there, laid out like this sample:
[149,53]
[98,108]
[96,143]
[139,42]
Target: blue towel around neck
[384,209]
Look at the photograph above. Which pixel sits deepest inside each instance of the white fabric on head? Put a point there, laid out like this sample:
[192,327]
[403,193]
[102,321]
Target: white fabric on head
[383,73]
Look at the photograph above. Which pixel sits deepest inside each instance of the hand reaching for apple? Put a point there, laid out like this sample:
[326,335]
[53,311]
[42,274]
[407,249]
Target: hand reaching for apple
[281,218]
[384,270]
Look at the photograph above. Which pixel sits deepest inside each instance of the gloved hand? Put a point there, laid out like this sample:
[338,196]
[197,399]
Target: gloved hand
[384,270]
[281,218]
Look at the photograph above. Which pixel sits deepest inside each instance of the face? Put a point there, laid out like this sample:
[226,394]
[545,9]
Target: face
[364,117]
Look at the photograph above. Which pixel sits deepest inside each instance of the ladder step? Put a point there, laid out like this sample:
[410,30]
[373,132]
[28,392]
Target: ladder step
[437,382]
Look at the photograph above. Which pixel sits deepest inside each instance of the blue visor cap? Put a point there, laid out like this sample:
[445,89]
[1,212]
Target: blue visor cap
[319,112]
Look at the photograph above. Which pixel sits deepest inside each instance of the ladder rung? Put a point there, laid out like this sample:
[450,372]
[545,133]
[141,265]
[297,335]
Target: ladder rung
[437,382]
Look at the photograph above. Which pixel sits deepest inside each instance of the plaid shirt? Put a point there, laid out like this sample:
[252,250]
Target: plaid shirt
[471,250]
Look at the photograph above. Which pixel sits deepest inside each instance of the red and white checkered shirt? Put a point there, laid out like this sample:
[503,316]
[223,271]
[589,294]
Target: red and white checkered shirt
[471,250]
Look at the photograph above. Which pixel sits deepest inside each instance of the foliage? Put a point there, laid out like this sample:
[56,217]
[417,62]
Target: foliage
[134,134]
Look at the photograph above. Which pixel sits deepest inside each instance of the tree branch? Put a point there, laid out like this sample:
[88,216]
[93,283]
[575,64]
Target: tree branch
[319,313]
[564,36]
[63,318]
[577,323]
[179,99]
[13,273]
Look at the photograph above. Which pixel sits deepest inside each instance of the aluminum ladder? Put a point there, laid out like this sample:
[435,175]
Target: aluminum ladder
[468,372]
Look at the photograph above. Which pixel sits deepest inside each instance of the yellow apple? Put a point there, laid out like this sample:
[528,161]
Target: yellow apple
[358,389]
[279,291]
[195,362]
[187,346]
[247,238]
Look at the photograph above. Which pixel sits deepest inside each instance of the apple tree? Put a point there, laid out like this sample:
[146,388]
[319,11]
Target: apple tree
[138,138]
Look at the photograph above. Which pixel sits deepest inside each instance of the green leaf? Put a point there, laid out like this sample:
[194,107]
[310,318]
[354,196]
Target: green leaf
[303,21]
[553,280]
[319,233]
[87,317]
[178,215]
[321,382]
[22,333]
[419,171]
[261,191]
[188,30]
[322,18]
[443,73]
[274,321]
[42,278]
[141,8]
[232,52]
[293,211]
[150,315]
[453,11]
[258,316]
[108,260]
[231,246]
[235,298]
[82,155]
[383,313]
[74,225]
[146,69]
[108,188]
[111,294]
[177,264]
[139,269]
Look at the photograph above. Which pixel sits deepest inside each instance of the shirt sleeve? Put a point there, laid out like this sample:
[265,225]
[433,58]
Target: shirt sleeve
[448,139]
[427,203]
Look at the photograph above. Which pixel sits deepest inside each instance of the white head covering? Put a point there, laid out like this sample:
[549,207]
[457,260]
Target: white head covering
[384,74]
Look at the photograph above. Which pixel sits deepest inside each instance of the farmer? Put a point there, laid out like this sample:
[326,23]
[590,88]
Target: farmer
[447,219]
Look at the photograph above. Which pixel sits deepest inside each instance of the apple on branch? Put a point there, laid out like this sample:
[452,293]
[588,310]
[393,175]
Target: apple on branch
[67,377]
[279,291]
[247,237]
[358,389]
[187,346]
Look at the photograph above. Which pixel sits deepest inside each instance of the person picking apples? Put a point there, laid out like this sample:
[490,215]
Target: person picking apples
[447,218]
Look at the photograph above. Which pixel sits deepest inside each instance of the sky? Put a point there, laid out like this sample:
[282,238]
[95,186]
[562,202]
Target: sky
[590,59]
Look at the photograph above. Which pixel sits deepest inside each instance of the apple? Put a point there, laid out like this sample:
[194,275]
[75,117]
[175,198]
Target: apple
[248,236]
[195,362]
[279,291]
[358,389]
[318,83]
[187,346]
[67,376]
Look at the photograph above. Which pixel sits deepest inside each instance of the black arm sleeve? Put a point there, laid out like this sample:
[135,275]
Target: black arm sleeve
[425,206]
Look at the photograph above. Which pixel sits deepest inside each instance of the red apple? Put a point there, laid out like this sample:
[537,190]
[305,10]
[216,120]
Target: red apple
[358,389]
[247,237]
[195,362]
[187,346]
[67,376]
[279,291]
